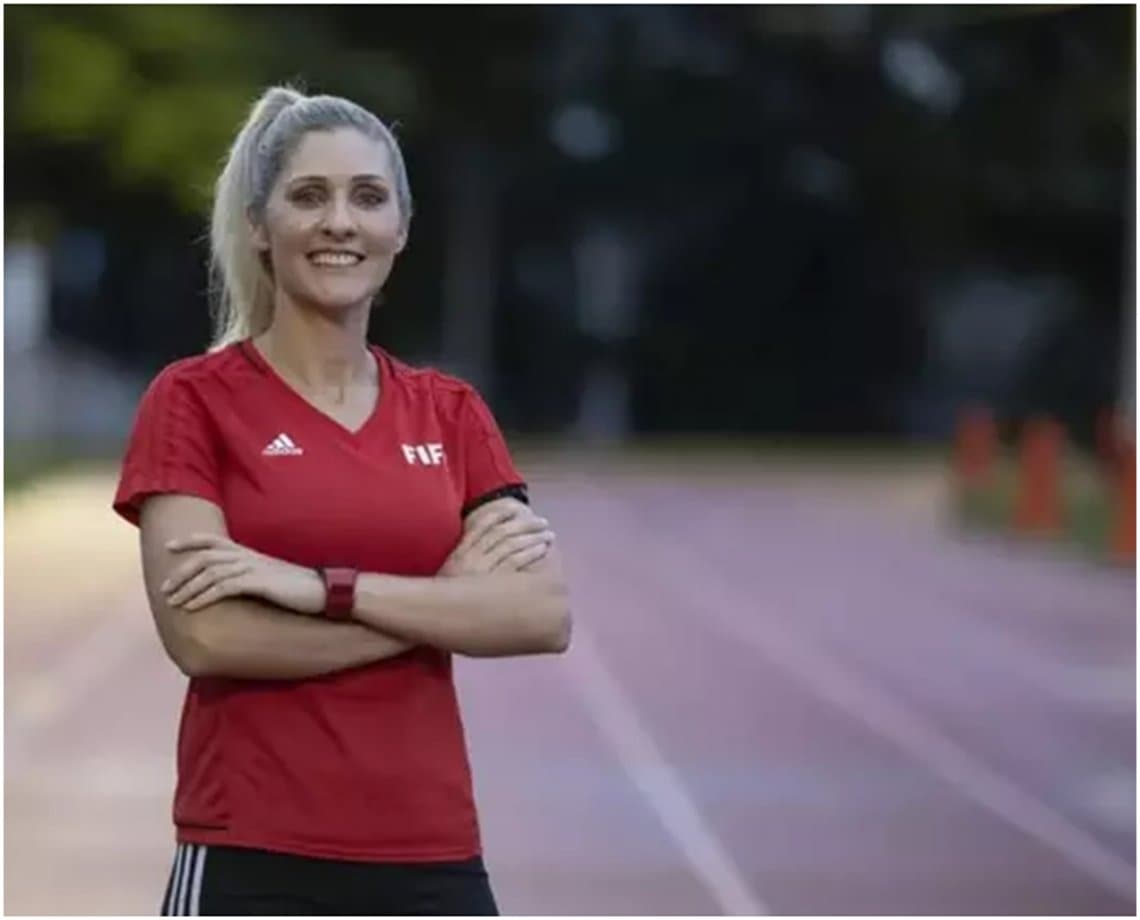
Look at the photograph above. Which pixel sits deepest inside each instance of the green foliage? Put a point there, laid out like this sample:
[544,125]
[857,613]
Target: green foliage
[177,135]
[152,92]
[75,84]
[155,93]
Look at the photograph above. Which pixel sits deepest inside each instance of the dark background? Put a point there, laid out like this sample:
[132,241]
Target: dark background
[837,221]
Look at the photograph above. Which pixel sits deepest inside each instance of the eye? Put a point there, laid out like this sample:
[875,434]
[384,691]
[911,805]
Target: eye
[307,196]
[371,197]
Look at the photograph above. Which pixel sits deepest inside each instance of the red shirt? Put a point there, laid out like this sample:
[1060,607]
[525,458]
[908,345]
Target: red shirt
[369,763]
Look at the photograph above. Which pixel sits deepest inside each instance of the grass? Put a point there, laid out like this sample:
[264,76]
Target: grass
[28,462]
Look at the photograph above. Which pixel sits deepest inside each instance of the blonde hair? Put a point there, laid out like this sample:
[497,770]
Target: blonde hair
[240,279]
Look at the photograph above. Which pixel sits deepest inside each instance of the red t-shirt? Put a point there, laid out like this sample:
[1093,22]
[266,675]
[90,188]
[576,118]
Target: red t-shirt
[369,763]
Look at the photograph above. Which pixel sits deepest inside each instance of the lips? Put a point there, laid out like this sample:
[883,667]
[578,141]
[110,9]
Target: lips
[335,258]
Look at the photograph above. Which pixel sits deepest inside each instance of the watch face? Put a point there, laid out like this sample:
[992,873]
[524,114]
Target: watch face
[340,585]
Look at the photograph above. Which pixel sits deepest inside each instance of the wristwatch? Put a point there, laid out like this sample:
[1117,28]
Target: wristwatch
[340,592]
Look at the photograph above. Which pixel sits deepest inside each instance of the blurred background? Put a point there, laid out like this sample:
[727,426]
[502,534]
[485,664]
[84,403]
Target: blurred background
[813,328]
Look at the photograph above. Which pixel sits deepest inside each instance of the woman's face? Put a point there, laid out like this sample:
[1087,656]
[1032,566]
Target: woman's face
[332,223]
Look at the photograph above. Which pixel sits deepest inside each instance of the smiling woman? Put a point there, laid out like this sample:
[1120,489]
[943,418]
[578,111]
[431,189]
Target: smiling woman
[323,527]
[315,169]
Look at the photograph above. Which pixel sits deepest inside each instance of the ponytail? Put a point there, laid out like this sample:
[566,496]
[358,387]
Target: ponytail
[243,291]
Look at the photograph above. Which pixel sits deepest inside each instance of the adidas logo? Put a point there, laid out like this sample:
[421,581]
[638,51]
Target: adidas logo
[281,446]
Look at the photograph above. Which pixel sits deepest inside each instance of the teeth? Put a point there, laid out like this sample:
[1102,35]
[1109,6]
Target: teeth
[335,258]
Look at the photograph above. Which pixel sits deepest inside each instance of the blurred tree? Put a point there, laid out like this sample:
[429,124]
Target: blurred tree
[154,93]
[795,179]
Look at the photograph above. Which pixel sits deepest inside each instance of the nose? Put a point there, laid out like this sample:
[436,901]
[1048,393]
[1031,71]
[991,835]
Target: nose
[338,220]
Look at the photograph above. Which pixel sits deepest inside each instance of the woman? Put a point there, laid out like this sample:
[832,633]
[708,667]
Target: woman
[322,527]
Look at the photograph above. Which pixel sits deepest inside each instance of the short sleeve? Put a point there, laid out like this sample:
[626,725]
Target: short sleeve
[172,447]
[489,472]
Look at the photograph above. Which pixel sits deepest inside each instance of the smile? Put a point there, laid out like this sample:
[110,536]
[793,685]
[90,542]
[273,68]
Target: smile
[335,259]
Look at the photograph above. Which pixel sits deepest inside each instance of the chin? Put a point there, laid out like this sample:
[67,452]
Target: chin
[340,300]
[337,306]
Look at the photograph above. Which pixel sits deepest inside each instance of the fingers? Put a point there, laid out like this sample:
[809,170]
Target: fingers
[497,532]
[192,590]
[529,523]
[491,515]
[195,564]
[508,505]
[229,586]
[481,521]
[524,544]
[528,555]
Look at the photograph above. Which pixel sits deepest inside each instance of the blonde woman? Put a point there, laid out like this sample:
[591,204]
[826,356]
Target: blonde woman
[322,528]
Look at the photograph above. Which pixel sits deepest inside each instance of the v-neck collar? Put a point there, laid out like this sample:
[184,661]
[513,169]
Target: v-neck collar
[383,397]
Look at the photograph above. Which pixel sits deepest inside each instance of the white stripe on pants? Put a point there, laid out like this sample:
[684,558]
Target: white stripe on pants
[185,896]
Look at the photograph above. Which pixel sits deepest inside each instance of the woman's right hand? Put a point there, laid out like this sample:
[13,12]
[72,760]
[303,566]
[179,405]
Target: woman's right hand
[502,535]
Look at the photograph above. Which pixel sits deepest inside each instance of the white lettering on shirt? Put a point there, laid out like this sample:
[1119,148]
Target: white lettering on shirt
[425,454]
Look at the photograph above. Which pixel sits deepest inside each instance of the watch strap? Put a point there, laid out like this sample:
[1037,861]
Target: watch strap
[340,592]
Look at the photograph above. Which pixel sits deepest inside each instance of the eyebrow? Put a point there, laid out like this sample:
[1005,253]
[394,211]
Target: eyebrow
[366,177]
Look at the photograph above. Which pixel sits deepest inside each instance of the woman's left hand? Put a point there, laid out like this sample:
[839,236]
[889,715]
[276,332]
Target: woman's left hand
[216,567]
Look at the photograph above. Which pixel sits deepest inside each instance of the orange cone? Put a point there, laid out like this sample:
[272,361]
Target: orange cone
[1038,508]
[1122,539]
[1107,437]
[975,447]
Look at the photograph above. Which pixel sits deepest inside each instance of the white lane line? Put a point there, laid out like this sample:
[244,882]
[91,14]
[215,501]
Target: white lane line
[961,626]
[685,572]
[616,717]
[953,627]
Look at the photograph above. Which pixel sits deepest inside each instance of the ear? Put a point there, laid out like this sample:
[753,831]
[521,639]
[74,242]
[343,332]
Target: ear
[401,241]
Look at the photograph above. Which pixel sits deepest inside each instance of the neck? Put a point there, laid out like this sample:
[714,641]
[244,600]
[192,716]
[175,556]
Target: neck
[316,350]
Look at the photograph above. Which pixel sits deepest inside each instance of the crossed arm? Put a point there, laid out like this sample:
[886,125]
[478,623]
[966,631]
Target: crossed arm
[224,610]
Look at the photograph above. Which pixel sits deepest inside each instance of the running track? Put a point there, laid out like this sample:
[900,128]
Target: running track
[784,696]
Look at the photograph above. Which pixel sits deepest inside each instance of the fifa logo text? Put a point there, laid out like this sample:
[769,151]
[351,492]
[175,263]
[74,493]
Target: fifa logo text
[425,454]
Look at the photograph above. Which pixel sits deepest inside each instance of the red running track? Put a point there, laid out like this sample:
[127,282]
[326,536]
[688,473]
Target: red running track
[774,703]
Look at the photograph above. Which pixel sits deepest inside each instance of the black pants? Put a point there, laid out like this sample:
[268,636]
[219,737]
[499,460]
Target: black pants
[210,881]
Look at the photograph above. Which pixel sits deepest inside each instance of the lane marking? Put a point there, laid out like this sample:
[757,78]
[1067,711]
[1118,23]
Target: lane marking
[884,716]
[616,717]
